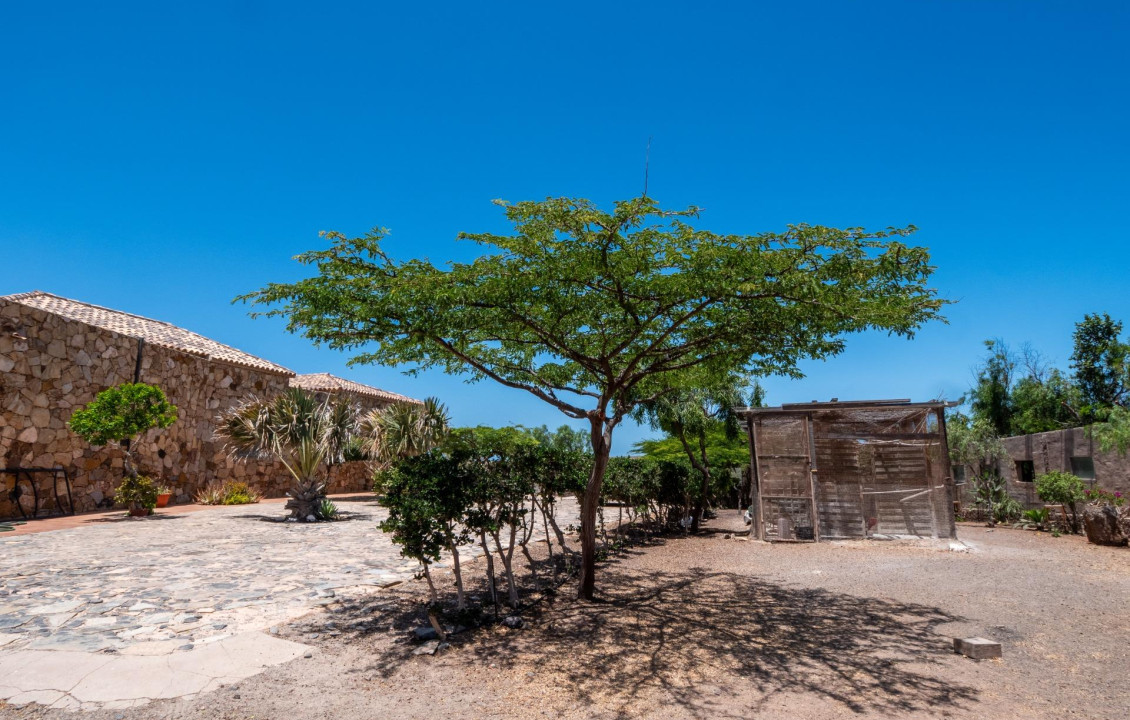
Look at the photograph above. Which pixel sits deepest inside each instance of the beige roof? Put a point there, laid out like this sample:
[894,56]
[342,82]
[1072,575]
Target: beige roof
[324,382]
[153,332]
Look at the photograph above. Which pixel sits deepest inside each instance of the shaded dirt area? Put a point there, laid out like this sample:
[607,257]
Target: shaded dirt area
[712,626]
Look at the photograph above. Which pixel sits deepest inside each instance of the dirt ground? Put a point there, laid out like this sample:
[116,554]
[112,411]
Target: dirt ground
[720,627]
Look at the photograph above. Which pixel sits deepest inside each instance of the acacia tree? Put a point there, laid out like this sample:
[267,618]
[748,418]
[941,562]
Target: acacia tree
[596,312]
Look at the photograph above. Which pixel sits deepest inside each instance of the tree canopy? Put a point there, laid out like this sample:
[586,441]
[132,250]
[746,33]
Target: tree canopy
[120,414]
[595,312]
[1100,363]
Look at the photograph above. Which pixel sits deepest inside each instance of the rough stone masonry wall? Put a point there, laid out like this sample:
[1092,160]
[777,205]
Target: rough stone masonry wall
[59,365]
[1053,451]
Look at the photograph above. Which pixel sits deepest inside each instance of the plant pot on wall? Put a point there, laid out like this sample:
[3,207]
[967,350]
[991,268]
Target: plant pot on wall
[163,499]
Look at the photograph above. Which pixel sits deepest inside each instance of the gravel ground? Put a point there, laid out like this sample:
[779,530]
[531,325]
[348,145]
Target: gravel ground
[712,626]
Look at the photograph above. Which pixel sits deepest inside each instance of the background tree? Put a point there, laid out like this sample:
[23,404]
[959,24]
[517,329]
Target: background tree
[691,416]
[298,430]
[596,312]
[1100,364]
[121,414]
[991,397]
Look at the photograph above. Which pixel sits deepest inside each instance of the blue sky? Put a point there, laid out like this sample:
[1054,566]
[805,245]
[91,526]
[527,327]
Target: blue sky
[162,159]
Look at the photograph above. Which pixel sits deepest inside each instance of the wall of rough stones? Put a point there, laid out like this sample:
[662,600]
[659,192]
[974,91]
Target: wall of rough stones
[1053,451]
[49,366]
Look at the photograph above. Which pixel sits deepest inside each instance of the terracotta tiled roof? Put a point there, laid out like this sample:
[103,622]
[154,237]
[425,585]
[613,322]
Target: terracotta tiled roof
[324,382]
[153,332]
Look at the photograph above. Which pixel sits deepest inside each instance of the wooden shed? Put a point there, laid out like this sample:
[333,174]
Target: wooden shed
[827,470]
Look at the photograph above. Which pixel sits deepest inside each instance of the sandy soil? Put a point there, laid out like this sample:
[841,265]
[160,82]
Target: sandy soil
[720,627]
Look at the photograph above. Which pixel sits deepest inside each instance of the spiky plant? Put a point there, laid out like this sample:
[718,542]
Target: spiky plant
[404,430]
[300,431]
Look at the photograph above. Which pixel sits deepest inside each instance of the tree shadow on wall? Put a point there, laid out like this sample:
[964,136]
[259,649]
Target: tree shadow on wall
[711,642]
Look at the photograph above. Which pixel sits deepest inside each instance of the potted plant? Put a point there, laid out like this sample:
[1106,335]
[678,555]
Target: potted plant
[139,493]
[164,492]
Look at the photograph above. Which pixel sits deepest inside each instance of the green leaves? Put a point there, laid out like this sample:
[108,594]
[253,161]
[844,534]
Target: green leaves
[594,311]
[295,427]
[121,413]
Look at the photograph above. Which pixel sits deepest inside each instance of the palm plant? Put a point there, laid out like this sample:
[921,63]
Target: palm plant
[404,430]
[300,431]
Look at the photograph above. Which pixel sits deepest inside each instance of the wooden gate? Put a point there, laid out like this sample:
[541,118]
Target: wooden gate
[785,467]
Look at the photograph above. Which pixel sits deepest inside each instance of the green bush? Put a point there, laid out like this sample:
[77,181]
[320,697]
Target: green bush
[229,493]
[1062,488]
[137,492]
[1098,496]
[326,510]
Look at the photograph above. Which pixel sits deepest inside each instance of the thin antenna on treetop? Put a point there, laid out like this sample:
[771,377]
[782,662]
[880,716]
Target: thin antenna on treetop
[646,163]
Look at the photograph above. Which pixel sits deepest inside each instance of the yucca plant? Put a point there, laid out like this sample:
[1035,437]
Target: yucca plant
[404,430]
[300,431]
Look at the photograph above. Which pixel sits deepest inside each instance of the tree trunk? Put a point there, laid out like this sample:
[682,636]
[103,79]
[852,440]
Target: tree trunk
[490,569]
[304,499]
[461,601]
[601,448]
[431,585]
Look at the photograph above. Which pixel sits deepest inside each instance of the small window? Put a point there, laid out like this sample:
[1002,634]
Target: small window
[1025,471]
[1083,467]
[958,474]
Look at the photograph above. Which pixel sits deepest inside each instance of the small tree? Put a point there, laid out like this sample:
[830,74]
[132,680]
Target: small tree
[421,508]
[1062,488]
[691,416]
[596,312]
[121,414]
[974,442]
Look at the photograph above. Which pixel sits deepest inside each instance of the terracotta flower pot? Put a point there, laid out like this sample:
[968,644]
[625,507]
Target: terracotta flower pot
[163,499]
[139,512]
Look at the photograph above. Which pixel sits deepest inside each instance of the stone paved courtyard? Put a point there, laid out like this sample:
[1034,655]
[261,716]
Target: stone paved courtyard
[176,587]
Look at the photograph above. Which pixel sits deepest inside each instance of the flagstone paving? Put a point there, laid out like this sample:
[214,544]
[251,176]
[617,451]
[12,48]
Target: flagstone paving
[87,602]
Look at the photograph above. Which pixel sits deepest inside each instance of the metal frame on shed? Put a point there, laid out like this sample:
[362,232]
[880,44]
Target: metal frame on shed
[850,469]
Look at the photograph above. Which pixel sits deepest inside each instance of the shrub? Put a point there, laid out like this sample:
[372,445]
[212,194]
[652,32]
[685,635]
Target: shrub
[137,492]
[229,493]
[326,510]
[1038,517]
[1062,488]
[1098,496]
[990,491]
[210,494]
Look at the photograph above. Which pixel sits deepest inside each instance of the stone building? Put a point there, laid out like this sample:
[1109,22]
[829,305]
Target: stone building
[1069,450]
[56,354]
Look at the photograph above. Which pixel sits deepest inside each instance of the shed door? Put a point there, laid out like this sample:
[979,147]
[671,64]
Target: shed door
[783,445]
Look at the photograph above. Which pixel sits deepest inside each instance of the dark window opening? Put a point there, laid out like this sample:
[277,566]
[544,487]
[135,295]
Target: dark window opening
[1083,467]
[1025,471]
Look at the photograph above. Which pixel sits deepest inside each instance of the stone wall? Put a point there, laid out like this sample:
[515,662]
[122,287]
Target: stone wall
[1053,451]
[356,476]
[49,366]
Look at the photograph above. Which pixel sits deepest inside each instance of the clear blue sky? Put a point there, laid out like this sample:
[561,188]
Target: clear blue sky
[162,158]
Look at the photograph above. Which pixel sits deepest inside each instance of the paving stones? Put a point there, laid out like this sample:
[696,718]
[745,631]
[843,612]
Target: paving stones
[190,590]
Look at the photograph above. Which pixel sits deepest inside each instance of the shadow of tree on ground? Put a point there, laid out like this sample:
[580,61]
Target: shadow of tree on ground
[692,638]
